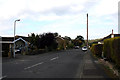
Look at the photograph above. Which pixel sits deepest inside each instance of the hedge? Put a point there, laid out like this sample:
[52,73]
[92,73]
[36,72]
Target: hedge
[97,50]
[111,50]
[107,48]
[38,51]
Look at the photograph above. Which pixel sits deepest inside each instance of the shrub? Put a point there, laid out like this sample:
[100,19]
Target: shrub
[112,50]
[97,49]
[71,45]
[116,51]
[107,48]
[38,51]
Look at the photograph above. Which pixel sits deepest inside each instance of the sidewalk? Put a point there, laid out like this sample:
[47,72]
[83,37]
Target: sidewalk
[92,68]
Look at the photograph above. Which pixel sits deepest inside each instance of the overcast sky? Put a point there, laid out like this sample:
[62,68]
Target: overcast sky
[67,17]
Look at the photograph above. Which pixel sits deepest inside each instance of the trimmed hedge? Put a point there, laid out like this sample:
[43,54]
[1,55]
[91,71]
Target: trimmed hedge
[111,50]
[97,50]
[107,48]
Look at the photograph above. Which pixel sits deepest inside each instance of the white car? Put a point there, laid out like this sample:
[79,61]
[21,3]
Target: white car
[84,48]
[76,47]
[17,50]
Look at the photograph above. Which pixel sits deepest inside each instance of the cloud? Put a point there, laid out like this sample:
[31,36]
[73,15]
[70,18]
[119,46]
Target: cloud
[10,8]
[105,7]
[68,17]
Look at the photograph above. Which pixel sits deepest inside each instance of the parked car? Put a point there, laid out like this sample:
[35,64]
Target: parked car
[76,47]
[84,48]
[17,50]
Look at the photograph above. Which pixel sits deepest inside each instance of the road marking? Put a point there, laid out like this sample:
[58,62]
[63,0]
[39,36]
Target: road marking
[3,77]
[34,65]
[54,58]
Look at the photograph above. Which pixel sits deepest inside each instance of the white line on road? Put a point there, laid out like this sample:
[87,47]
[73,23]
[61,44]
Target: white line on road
[34,65]
[54,58]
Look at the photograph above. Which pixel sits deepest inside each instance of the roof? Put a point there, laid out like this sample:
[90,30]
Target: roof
[11,39]
[7,38]
[9,42]
[19,39]
[107,37]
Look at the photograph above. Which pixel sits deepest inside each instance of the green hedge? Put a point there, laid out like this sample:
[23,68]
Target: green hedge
[107,48]
[97,50]
[111,50]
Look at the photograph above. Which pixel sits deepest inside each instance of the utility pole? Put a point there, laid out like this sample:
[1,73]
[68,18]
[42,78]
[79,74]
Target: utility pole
[87,29]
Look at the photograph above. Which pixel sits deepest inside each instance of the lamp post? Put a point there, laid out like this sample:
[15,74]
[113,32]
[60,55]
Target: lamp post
[14,35]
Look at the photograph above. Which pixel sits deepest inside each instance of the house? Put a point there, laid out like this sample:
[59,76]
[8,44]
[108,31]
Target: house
[110,36]
[107,37]
[61,43]
[101,41]
[21,44]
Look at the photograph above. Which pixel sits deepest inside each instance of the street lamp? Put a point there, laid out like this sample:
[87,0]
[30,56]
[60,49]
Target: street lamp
[14,35]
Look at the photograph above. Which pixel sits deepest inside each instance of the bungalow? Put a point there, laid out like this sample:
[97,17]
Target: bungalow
[107,37]
[21,45]
[61,43]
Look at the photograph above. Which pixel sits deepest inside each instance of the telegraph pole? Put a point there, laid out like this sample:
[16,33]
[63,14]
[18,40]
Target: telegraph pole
[87,29]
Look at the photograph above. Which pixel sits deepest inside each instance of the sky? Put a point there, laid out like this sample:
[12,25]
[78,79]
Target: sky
[66,17]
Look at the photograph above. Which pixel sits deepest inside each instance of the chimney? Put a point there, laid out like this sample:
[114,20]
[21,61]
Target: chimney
[112,31]
[112,35]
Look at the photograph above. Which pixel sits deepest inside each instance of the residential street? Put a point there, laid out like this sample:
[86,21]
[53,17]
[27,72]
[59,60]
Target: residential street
[64,64]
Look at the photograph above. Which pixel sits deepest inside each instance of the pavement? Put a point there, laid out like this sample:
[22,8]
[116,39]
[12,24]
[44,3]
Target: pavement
[71,64]
[92,68]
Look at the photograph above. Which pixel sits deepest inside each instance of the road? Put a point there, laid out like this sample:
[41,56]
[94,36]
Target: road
[64,64]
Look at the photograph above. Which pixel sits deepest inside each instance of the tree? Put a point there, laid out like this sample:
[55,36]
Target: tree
[48,40]
[55,34]
[79,40]
[34,40]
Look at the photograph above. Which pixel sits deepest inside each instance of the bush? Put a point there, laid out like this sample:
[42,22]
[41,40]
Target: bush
[71,45]
[112,50]
[116,51]
[38,51]
[97,50]
[107,49]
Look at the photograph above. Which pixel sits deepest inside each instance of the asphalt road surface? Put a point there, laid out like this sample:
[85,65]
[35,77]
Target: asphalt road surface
[63,64]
